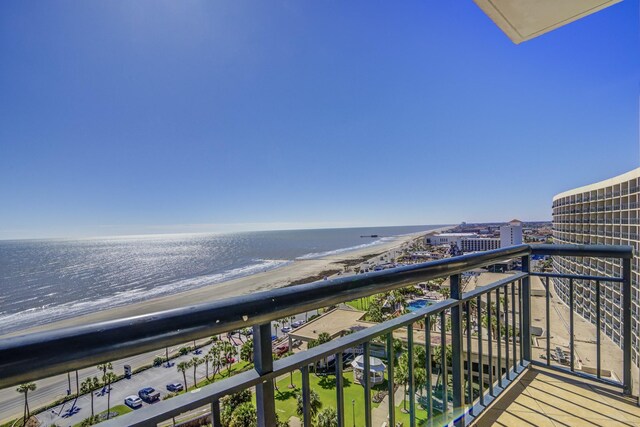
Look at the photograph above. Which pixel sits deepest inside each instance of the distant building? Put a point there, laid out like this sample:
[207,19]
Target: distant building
[511,234]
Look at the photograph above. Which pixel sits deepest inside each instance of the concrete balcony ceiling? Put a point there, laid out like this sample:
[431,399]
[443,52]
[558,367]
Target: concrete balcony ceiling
[523,20]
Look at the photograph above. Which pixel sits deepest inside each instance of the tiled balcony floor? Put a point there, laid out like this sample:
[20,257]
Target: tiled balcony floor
[548,398]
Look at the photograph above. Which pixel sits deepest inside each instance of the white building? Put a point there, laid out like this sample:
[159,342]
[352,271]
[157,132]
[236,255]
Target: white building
[511,234]
[604,213]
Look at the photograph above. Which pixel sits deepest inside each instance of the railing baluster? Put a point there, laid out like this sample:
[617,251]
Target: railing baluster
[367,383]
[626,327]
[480,356]
[457,383]
[469,364]
[548,320]
[340,389]
[525,310]
[522,334]
[427,344]
[263,364]
[215,413]
[499,336]
[390,378]
[412,398]
[306,398]
[506,332]
[571,335]
[443,363]
[490,342]
[513,325]
[598,328]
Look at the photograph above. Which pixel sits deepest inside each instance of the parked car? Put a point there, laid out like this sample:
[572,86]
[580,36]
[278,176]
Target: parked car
[297,323]
[282,349]
[149,394]
[286,330]
[133,401]
[175,387]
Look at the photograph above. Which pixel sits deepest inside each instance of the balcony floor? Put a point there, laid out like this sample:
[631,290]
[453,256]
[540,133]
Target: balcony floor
[548,398]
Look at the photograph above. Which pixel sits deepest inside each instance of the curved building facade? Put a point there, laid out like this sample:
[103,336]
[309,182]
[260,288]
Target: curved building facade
[604,213]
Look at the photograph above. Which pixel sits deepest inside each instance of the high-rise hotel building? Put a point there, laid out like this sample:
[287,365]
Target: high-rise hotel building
[604,213]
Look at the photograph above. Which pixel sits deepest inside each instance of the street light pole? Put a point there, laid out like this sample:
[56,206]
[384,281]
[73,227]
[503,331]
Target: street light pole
[353,411]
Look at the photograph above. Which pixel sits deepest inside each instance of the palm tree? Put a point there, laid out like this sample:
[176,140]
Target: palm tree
[402,376]
[276,325]
[227,352]
[26,388]
[214,351]
[207,358]
[246,351]
[182,367]
[88,386]
[314,403]
[110,378]
[328,417]
[195,361]
[104,367]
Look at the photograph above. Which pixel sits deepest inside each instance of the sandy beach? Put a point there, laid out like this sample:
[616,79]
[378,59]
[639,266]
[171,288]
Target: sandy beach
[298,271]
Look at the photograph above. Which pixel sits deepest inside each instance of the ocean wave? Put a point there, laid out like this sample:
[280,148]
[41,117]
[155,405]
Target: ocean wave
[53,312]
[315,255]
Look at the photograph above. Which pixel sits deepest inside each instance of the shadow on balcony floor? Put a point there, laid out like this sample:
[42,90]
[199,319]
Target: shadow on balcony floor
[548,398]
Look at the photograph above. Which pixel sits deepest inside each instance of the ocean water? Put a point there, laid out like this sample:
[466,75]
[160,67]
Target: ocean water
[43,281]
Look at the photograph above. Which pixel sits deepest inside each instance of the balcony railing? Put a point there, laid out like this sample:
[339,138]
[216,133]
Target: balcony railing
[507,352]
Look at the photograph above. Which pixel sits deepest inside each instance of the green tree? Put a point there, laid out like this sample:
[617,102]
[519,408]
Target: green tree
[276,325]
[182,367]
[110,379]
[402,375]
[328,417]
[229,404]
[227,350]
[374,314]
[206,359]
[88,386]
[195,362]
[25,389]
[314,403]
[104,367]
[216,354]
[246,351]
[244,415]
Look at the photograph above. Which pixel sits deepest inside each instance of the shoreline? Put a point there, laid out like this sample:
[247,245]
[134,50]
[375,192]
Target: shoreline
[296,272]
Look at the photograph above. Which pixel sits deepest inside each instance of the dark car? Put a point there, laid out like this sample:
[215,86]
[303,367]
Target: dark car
[175,387]
[149,394]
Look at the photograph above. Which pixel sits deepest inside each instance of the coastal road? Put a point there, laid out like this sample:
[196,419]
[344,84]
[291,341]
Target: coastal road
[53,388]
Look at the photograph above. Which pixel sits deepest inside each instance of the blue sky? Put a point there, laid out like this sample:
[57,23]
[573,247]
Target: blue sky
[143,117]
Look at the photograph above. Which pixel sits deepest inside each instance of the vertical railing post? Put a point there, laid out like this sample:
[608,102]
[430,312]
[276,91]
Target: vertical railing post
[626,327]
[263,362]
[457,350]
[340,389]
[215,413]
[525,290]
[391,357]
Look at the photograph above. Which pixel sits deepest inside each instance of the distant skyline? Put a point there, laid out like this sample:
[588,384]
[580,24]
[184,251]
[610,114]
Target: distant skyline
[151,117]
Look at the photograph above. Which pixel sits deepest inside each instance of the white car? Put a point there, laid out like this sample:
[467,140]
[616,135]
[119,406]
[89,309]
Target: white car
[133,401]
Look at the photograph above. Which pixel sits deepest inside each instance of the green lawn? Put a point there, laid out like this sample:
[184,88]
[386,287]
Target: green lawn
[119,409]
[361,303]
[325,386]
